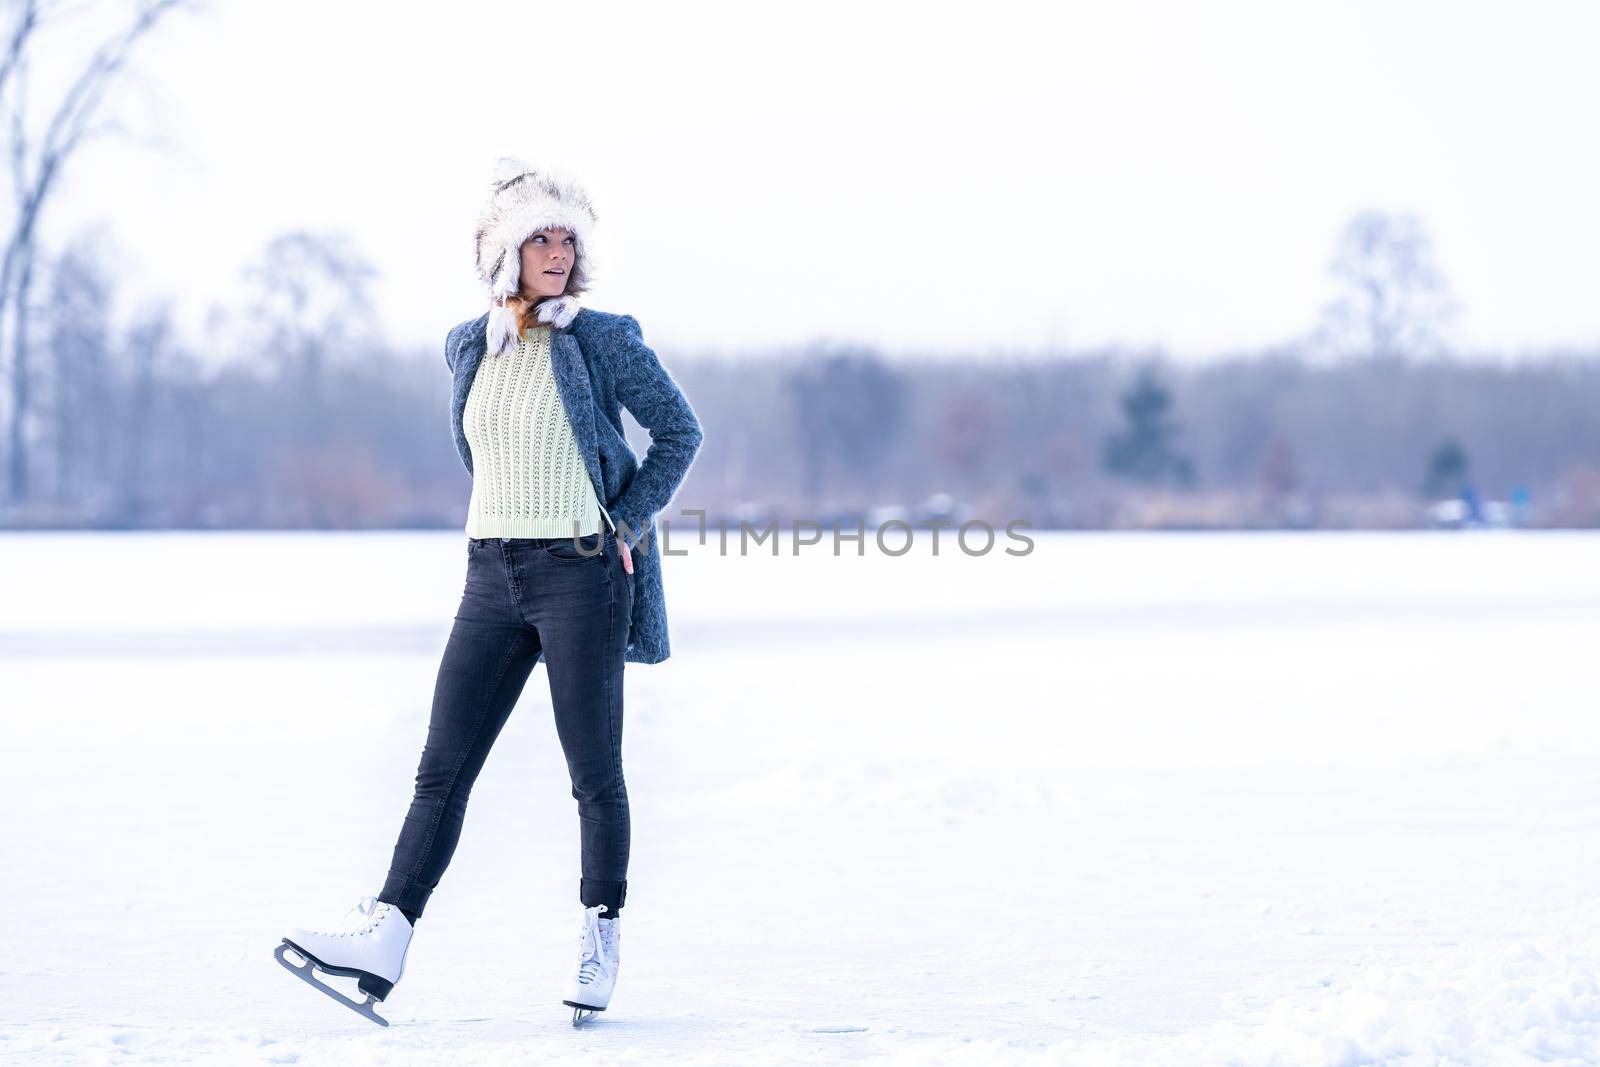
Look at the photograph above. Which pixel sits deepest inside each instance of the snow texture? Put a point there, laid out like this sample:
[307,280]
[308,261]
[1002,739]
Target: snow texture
[1255,799]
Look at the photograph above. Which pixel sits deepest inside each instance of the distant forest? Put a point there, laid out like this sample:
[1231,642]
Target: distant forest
[293,412]
[296,418]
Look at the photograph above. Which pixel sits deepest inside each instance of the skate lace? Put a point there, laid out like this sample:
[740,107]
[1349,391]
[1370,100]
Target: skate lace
[592,959]
[358,920]
[365,906]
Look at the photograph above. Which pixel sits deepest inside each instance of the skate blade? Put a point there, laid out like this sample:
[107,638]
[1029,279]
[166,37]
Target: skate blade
[581,1013]
[306,974]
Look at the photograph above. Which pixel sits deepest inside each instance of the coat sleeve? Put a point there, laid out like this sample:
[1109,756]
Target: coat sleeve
[648,392]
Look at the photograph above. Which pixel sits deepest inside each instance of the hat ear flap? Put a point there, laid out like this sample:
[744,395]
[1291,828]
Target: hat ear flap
[500,332]
[558,311]
[509,276]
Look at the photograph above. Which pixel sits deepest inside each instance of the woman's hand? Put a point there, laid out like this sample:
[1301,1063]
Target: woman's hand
[627,557]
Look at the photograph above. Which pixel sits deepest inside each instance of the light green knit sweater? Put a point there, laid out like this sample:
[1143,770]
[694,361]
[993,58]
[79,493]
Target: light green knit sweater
[528,477]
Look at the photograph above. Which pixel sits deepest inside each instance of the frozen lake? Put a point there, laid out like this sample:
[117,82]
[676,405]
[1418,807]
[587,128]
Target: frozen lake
[1128,799]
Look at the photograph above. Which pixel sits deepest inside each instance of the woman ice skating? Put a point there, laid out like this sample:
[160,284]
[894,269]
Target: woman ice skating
[562,565]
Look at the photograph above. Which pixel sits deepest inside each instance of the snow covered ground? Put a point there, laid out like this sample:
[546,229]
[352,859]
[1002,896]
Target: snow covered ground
[1129,799]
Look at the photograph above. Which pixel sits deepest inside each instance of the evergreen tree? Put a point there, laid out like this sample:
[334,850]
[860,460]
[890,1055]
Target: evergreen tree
[1447,469]
[1144,450]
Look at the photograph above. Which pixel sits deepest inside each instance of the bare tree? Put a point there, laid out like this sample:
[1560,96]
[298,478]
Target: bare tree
[307,293]
[84,382]
[1394,300]
[37,159]
[849,406]
[148,340]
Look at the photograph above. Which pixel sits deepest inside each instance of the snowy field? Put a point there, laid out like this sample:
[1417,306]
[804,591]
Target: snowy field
[1152,799]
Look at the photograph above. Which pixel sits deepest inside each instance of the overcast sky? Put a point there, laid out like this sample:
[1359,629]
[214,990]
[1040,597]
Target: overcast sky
[923,177]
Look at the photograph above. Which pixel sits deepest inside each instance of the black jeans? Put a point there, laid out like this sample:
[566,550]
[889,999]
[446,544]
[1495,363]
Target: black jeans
[524,594]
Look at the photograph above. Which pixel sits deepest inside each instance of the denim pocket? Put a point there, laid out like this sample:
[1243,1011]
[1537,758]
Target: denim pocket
[577,549]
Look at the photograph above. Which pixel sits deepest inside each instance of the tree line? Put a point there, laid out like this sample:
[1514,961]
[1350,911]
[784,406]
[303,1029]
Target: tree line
[299,417]
[300,422]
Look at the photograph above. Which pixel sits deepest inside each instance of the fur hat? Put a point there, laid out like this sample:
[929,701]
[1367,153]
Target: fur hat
[523,201]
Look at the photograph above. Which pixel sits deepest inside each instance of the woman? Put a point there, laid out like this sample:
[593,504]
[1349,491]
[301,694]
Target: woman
[562,564]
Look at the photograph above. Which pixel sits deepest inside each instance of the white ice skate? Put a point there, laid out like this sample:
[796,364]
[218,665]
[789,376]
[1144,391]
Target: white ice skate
[368,944]
[595,976]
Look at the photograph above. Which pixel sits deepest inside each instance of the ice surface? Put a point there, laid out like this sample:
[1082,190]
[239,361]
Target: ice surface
[1130,799]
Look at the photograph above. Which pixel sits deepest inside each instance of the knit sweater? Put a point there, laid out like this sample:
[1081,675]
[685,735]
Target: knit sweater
[528,479]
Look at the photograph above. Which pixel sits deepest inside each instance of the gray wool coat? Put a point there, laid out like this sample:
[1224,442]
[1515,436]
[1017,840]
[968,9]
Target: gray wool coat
[601,365]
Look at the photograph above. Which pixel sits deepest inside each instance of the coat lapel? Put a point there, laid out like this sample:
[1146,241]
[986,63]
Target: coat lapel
[468,355]
[577,396]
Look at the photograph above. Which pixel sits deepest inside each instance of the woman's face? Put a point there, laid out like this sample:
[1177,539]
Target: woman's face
[547,259]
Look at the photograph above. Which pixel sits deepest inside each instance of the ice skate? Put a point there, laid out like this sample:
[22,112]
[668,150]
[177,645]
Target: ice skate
[369,944]
[595,976]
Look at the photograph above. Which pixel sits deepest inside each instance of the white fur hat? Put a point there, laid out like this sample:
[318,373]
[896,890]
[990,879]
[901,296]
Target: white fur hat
[523,201]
